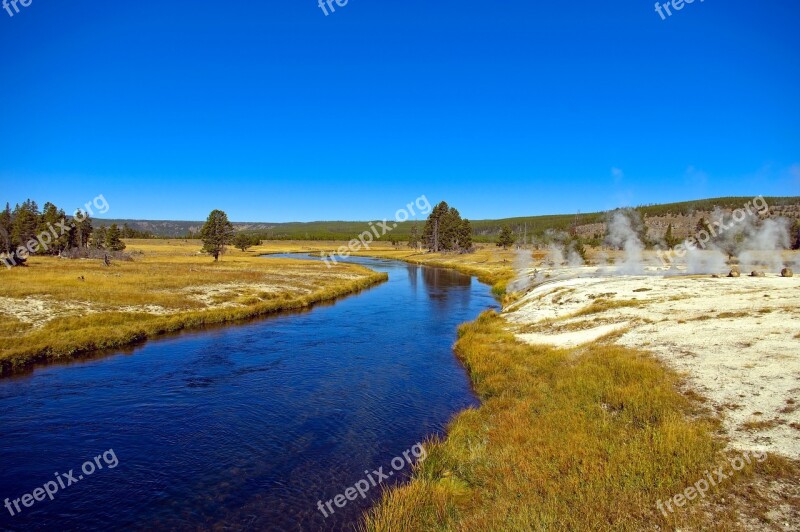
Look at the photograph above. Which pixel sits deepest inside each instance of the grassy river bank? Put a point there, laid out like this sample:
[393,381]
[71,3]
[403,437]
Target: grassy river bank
[56,309]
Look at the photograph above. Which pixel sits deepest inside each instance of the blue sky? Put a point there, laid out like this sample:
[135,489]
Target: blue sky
[272,111]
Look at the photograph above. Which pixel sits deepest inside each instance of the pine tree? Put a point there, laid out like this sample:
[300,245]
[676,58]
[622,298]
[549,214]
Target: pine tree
[702,225]
[465,236]
[795,235]
[24,225]
[506,237]
[216,233]
[432,233]
[243,242]
[669,238]
[51,217]
[99,237]
[413,238]
[113,241]
[5,230]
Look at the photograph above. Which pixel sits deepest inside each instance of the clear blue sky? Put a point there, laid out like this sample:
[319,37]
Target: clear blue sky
[272,111]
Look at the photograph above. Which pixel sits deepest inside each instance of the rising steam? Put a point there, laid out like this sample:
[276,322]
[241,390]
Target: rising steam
[621,235]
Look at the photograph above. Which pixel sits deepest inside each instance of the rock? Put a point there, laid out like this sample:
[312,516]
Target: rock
[787,272]
[757,274]
[735,272]
[714,276]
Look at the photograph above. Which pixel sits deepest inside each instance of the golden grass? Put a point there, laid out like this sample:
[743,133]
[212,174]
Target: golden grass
[740,314]
[55,308]
[760,424]
[602,305]
[490,264]
[588,439]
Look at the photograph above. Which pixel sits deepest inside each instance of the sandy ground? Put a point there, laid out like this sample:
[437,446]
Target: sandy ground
[737,340]
[37,311]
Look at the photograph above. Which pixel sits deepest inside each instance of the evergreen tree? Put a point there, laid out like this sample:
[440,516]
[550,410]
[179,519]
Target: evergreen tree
[113,242]
[432,232]
[413,238]
[25,222]
[243,241]
[5,230]
[576,244]
[465,236]
[506,238]
[216,233]
[49,221]
[83,229]
[702,225]
[795,235]
[446,231]
[99,237]
[669,238]
[451,222]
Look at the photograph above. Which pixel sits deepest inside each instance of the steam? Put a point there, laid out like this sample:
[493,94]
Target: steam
[523,262]
[699,261]
[622,235]
[743,234]
[757,241]
[562,250]
[555,255]
[574,259]
[763,245]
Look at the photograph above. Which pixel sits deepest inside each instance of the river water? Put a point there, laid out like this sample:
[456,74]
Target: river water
[247,426]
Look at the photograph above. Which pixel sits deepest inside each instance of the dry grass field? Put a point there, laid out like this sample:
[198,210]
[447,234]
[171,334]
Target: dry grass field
[57,308]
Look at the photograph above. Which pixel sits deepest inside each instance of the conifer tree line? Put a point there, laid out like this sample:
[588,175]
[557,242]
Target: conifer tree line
[25,225]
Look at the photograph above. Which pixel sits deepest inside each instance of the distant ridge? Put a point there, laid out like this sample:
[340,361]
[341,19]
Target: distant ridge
[483,229]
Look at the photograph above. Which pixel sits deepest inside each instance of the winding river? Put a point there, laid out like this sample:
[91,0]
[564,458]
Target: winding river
[243,427]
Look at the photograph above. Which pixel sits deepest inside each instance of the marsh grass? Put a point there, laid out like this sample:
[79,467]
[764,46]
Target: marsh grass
[57,308]
[584,439]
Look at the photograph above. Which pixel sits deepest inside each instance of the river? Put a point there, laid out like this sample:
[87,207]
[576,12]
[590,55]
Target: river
[245,426]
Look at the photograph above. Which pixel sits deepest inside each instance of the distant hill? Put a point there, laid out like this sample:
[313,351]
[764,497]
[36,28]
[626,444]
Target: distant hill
[682,215]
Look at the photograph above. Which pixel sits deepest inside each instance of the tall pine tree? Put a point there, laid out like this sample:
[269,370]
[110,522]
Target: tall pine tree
[217,233]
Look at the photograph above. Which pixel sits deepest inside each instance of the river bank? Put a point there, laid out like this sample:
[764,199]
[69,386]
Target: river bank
[56,309]
[490,264]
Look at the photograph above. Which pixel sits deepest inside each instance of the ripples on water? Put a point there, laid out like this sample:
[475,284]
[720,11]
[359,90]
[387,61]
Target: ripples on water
[244,426]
